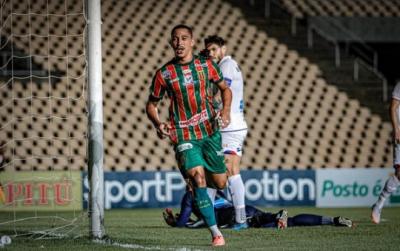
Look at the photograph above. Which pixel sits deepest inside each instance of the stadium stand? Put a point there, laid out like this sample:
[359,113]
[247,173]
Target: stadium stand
[296,119]
[352,8]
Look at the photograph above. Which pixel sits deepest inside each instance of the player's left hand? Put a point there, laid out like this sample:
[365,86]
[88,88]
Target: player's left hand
[163,130]
[169,217]
[225,118]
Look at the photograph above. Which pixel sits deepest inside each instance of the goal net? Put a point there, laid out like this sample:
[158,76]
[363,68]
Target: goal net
[44,118]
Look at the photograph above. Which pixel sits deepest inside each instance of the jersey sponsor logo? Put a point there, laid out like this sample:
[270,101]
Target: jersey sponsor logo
[188,79]
[184,147]
[204,65]
[166,74]
[194,120]
[228,81]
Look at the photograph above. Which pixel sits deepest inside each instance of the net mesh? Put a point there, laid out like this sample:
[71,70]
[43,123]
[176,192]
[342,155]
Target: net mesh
[43,124]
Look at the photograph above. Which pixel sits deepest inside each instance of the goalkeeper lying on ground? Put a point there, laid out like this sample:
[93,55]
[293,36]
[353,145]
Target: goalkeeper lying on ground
[225,216]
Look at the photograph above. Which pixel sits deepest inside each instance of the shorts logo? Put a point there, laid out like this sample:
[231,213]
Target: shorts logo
[220,153]
[184,147]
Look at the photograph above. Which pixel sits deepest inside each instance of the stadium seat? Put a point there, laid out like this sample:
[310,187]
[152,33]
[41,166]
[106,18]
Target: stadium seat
[292,112]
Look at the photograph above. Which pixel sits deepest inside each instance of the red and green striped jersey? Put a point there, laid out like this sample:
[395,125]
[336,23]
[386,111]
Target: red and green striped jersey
[189,87]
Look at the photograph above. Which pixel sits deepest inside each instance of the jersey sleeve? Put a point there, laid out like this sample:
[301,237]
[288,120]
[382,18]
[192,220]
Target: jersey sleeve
[396,92]
[158,86]
[215,73]
[228,71]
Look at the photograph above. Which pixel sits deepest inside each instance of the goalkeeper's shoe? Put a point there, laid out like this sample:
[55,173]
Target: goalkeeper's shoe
[342,222]
[218,241]
[240,226]
[376,214]
[281,219]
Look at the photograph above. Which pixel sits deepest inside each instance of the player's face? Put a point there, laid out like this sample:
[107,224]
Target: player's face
[216,52]
[182,43]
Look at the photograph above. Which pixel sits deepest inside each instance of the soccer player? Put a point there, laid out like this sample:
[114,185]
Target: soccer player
[225,216]
[193,127]
[233,135]
[392,182]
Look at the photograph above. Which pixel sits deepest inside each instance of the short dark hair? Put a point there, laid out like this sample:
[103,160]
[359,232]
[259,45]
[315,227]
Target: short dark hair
[214,39]
[182,26]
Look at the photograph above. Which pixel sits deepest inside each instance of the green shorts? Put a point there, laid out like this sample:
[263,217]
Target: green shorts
[205,152]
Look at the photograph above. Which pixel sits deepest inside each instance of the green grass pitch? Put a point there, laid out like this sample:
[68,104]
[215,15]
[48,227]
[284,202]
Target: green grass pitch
[144,229]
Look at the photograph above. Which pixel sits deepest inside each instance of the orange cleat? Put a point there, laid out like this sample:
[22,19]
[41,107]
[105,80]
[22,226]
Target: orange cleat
[218,241]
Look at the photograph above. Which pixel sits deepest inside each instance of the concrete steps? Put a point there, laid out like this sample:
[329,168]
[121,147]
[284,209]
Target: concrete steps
[367,90]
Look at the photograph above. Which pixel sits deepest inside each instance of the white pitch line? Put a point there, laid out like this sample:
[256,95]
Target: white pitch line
[137,246]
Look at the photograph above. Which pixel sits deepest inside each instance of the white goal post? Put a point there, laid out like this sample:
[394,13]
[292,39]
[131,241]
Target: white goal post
[51,119]
[95,151]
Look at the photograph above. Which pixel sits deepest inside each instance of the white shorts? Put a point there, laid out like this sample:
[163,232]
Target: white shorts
[232,142]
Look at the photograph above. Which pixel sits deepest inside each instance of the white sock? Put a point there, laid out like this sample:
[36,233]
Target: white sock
[390,186]
[211,193]
[215,231]
[236,188]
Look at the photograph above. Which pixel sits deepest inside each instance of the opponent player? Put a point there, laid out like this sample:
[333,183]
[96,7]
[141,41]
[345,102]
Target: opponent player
[393,182]
[225,216]
[193,127]
[233,135]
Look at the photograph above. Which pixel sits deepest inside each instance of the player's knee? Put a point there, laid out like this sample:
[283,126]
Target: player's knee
[200,180]
[220,184]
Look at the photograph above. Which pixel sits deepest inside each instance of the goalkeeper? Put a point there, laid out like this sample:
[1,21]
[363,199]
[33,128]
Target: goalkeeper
[225,216]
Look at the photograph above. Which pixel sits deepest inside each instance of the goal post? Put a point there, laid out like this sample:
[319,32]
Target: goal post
[51,119]
[95,105]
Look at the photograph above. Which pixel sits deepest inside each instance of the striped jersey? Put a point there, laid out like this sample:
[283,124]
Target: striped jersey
[190,89]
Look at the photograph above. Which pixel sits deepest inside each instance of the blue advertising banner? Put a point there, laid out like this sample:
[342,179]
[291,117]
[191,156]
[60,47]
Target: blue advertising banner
[279,188]
[139,189]
[165,189]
